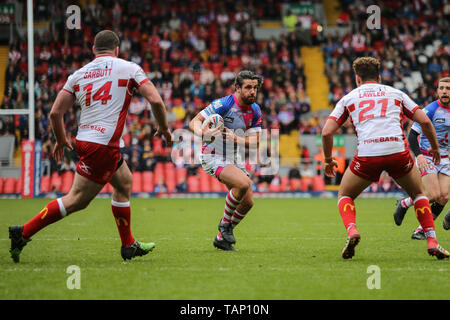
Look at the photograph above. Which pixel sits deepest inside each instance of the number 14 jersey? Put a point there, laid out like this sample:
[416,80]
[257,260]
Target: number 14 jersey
[104,88]
[376,113]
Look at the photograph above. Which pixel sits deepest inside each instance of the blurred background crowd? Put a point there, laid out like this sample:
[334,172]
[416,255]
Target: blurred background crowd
[192,51]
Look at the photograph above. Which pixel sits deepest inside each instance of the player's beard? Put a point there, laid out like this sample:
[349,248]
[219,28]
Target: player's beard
[249,100]
[445,101]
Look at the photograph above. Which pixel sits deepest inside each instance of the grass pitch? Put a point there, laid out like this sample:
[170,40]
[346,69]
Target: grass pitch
[290,249]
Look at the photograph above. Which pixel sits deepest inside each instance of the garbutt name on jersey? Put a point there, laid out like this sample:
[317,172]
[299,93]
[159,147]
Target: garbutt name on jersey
[104,88]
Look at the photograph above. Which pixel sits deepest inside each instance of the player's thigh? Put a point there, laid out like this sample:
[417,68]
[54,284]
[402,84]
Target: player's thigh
[411,183]
[233,177]
[444,183]
[352,185]
[122,179]
[81,193]
[431,185]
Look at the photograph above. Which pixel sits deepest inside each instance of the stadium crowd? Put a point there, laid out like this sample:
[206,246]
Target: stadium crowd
[412,42]
[191,52]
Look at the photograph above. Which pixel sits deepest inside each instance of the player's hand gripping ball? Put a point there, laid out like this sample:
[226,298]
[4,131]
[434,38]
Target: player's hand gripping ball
[212,122]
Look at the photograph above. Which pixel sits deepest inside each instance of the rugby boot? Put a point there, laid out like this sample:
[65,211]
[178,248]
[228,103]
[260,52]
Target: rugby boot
[226,229]
[223,244]
[17,242]
[137,249]
[399,213]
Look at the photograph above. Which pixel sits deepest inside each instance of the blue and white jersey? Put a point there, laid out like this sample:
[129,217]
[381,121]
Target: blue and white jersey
[439,115]
[235,117]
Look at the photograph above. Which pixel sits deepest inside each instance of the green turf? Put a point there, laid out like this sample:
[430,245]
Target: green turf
[289,249]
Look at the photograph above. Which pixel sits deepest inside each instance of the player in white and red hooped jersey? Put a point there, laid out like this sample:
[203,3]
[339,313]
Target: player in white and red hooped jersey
[103,88]
[376,112]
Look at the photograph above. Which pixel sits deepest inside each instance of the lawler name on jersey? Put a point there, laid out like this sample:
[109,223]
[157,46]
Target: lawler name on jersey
[104,88]
[234,116]
[439,116]
[376,112]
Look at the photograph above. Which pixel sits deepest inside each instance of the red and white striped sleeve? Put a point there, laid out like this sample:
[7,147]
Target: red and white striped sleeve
[69,86]
[340,113]
[408,105]
[139,76]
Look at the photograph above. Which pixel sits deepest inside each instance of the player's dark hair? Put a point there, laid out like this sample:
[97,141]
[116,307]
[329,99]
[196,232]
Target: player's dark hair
[247,74]
[367,68]
[106,40]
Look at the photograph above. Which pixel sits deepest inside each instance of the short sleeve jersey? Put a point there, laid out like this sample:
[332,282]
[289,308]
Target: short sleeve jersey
[104,88]
[439,116]
[376,112]
[235,117]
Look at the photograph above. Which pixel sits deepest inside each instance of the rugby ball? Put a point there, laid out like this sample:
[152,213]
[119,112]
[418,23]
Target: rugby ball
[213,121]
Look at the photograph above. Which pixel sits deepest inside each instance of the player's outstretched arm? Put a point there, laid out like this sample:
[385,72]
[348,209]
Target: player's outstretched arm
[149,92]
[328,131]
[62,103]
[428,130]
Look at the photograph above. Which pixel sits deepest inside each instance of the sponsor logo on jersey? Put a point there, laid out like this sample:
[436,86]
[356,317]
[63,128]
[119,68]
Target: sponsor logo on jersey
[439,120]
[217,104]
[228,119]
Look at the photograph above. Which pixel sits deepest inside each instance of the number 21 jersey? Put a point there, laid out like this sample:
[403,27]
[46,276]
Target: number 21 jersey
[376,112]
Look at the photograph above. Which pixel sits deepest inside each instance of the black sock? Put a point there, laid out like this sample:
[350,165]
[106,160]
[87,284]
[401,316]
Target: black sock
[436,209]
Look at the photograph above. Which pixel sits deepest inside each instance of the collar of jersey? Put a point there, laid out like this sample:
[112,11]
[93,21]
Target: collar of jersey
[104,55]
[440,105]
[241,107]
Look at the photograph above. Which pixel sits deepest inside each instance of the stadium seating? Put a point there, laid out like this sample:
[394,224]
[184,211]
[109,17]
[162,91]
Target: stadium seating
[66,181]
[193,183]
[284,183]
[204,181]
[295,184]
[9,186]
[318,183]
[137,182]
[216,185]
[2,181]
[305,183]
[170,176]
[56,182]
[180,174]
[158,172]
[274,187]
[18,187]
[45,184]
[147,181]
